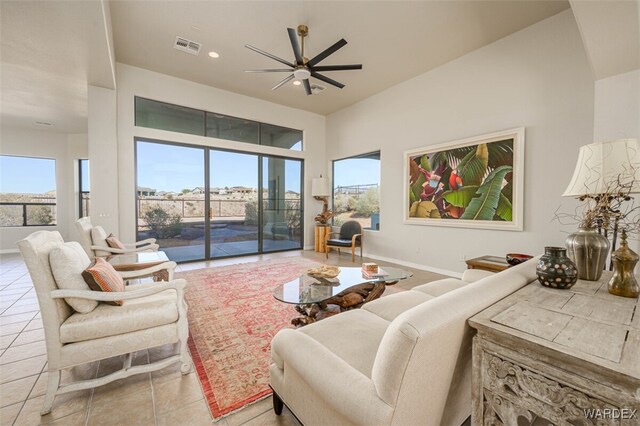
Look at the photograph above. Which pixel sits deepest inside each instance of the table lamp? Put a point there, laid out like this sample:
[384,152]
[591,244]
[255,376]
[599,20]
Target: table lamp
[607,173]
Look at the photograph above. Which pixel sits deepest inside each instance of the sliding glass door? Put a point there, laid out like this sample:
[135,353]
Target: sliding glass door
[281,201]
[170,198]
[233,205]
[202,203]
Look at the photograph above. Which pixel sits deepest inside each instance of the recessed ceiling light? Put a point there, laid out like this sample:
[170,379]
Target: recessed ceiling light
[296,82]
[214,54]
[43,123]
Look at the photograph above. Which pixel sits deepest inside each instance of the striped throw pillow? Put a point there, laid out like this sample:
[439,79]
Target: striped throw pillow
[114,242]
[100,276]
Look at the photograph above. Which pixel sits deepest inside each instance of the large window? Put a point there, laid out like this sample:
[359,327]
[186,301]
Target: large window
[27,191]
[175,118]
[83,187]
[356,190]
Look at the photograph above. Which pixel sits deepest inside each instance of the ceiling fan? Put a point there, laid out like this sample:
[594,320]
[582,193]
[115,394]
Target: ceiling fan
[304,68]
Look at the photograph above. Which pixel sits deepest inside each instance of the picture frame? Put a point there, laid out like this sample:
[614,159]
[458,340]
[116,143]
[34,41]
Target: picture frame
[477,182]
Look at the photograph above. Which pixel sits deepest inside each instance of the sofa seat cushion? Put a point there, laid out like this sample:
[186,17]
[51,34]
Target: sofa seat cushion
[440,287]
[389,307]
[108,320]
[339,242]
[353,336]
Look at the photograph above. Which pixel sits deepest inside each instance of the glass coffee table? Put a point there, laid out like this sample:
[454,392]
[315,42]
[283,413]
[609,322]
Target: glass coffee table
[140,260]
[349,290]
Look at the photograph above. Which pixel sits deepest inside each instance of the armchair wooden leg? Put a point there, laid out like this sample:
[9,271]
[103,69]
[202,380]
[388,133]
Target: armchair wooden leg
[353,254]
[326,251]
[277,404]
[52,387]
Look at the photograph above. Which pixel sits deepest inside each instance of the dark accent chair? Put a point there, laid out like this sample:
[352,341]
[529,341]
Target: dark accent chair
[350,236]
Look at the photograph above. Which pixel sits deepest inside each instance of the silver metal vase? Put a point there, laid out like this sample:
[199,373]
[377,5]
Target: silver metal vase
[588,250]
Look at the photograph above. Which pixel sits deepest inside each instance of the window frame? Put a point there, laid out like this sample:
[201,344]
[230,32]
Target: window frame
[333,187]
[80,184]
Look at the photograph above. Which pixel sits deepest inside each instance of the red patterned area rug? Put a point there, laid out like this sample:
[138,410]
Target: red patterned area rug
[232,318]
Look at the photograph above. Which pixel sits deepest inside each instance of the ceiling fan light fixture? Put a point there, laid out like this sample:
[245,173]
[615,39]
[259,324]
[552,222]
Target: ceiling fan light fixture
[297,82]
[301,73]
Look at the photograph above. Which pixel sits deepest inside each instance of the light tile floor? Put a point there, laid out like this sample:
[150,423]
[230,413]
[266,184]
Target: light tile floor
[161,398]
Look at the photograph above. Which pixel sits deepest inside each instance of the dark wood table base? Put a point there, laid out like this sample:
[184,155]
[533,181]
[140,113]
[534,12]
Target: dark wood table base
[351,298]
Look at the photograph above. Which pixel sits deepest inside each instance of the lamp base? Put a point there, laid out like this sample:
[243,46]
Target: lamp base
[326,214]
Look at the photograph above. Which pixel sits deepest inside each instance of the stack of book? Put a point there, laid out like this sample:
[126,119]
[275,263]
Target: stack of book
[372,271]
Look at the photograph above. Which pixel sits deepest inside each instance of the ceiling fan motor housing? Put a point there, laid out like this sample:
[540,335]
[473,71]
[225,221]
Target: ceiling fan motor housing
[301,73]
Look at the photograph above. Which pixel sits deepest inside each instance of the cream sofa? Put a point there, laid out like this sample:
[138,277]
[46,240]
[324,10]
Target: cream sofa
[404,359]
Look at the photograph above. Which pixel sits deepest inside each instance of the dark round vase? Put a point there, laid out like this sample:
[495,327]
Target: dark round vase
[555,269]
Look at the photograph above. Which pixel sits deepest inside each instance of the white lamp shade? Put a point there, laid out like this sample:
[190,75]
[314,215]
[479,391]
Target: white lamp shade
[600,164]
[320,187]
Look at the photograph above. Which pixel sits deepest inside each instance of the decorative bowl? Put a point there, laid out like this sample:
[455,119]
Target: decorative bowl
[324,271]
[514,259]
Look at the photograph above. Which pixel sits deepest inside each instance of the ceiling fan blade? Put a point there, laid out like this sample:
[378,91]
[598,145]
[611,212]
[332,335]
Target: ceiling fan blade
[338,67]
[327,80]
[295,45]
[284,81]
[307,86]
[270,70]
[330,50]
[269,55]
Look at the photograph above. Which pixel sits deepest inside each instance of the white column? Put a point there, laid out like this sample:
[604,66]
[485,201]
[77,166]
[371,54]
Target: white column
[103,158]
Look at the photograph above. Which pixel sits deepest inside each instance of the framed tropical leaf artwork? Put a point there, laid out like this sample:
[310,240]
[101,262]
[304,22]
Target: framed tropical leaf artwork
[473,183]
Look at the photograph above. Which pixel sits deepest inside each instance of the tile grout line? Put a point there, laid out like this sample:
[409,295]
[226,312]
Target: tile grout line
[30,390]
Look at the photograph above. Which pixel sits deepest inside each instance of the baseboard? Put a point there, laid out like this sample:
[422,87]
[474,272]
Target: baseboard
[309,247]
[415,265]
[7,251]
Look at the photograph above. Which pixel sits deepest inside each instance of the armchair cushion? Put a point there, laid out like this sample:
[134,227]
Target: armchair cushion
[67,263]
[101,276]
[135,314]
[99,238]
[113,242]
[339,242]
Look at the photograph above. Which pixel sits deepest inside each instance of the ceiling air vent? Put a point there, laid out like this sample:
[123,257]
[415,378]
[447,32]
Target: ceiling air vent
[188,46]
[316,88]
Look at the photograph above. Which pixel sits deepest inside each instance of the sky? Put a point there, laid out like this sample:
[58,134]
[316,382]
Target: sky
[173,168]
[27,175]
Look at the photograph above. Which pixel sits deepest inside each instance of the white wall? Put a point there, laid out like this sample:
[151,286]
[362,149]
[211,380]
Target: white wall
[132,81]
[617,107]
[66,150]
[538,78]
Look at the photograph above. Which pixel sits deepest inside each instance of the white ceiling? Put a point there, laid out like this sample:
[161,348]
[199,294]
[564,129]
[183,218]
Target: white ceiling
[394,40]
[51,50]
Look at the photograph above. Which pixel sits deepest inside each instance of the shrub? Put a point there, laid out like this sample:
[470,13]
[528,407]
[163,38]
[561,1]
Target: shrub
[344,203]
[163,224]
[368,203]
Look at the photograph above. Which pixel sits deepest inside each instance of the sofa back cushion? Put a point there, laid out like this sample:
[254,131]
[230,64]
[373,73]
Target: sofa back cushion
[67,263]
[426,346]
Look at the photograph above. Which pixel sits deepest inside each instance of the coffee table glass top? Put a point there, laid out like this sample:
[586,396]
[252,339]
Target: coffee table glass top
[308,289]
[140,259]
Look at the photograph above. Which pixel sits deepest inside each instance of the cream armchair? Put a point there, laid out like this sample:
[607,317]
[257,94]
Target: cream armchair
[94,241]
[152,315]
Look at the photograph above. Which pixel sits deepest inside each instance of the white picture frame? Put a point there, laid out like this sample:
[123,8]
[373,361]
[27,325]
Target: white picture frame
[438,189]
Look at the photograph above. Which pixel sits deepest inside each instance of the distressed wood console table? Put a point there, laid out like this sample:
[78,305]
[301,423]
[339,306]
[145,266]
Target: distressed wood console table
[570,357]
